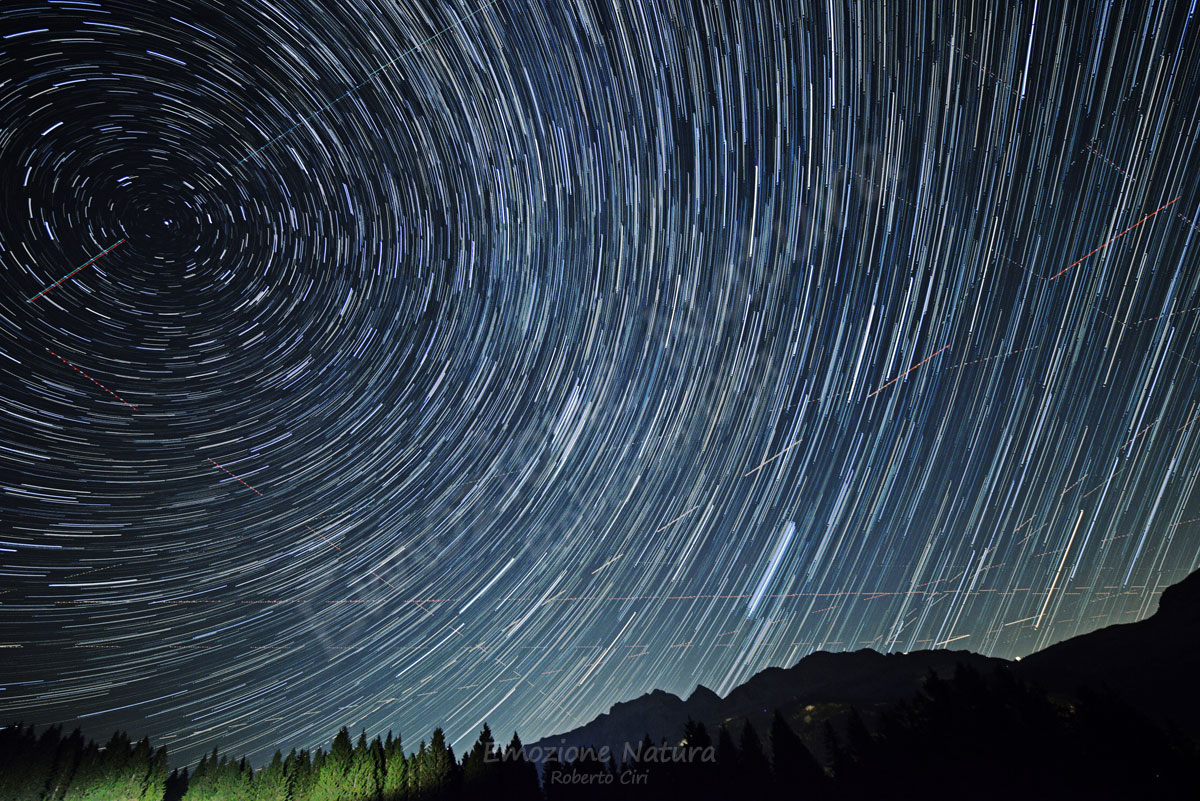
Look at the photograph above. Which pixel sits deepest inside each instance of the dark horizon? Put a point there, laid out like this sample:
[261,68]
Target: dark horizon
[954,730]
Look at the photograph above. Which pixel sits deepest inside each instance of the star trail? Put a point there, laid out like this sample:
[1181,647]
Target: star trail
[503,361]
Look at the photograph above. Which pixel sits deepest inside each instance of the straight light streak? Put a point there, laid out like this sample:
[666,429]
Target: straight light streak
[1109,242]
[77,269]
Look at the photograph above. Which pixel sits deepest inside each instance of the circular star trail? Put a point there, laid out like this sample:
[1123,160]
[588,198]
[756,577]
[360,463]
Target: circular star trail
[471,362]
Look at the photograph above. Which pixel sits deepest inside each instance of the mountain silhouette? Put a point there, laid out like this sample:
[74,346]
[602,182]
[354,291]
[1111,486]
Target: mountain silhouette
[822,686]
[1151,664]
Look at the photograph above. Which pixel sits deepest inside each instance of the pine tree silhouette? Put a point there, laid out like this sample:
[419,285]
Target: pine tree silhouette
[553,773]
[177,784]
[753,767]
[797,774]
[518,777]
[27,763]
[478,768]
[728,762]
[697,777]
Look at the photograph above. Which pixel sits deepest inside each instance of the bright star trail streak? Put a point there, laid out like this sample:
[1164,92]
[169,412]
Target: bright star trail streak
[537,335]
[1057,573]
[772,566]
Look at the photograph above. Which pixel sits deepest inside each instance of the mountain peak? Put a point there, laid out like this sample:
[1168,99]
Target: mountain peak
[1151,663]
[703,695]
[1181,601]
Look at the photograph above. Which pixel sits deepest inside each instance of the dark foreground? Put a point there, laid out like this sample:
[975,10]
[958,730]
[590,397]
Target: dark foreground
[970,736]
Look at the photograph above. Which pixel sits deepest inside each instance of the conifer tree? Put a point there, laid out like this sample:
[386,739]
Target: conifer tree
[299,770]
[438,769]
[644,765]
[201,779]
[219,778]
[177,784]
[834,753]
[332,781]
[156,775]
[207,763]
[553,772]
[860,743]
[28,763]
[477,767]
[395,771]
[16,750]
[364,776]
[753,766]
[589,765]
[216,784]
[377,759]
[70,751]
[518,777]
[727,763]
[796,771]
[39,770]
[88,776]
[138,768]
[111,773]
[271,783]
[211,785]
[695,779]
[126,766]
[11,739]
[416,772]
[645,748]
[242,780]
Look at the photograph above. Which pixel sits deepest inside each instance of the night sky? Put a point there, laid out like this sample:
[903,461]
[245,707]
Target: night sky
[431,365]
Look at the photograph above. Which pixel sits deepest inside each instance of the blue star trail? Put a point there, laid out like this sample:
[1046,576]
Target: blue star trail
[502,361]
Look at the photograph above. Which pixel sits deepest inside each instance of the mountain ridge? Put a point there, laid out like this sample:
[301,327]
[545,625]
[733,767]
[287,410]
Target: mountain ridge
[1148,664]
[825,678]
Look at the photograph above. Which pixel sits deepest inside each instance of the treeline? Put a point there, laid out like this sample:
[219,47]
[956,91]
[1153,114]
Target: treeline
[56,768]
[51,767]
[378,770]
[967,737]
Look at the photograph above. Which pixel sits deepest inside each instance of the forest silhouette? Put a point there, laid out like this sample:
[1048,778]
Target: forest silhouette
[968,736]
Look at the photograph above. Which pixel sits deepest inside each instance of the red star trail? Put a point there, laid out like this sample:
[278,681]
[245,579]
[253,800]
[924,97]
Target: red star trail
[89,378]
[906,372]
[231,475]
[1109,242]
